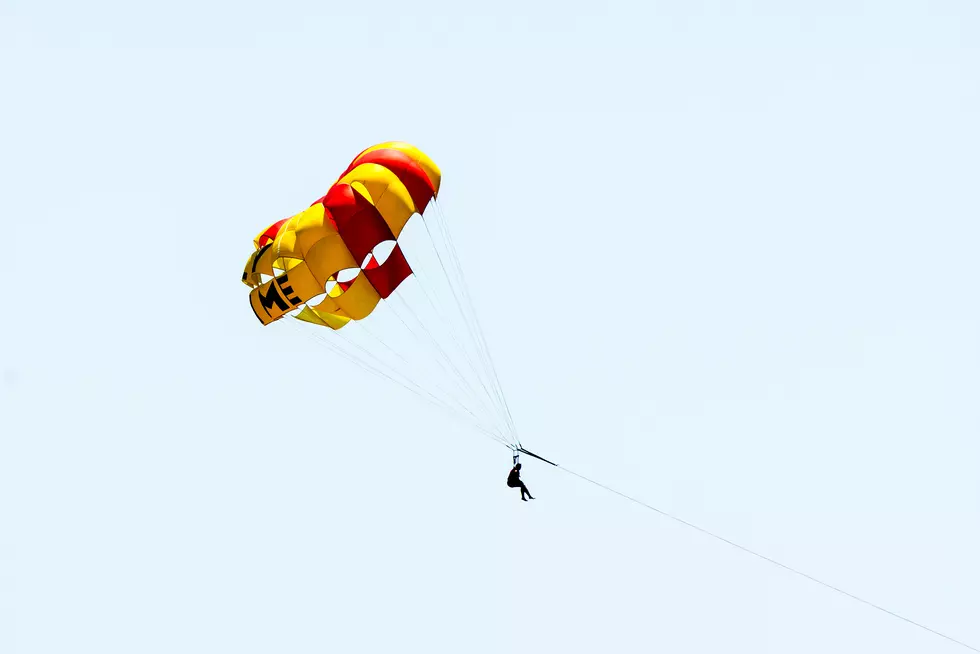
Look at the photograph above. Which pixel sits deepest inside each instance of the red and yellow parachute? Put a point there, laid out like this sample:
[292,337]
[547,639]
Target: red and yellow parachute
[334,262]
[339,258]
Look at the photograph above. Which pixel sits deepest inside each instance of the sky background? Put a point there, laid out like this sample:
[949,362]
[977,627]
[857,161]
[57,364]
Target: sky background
[724,253]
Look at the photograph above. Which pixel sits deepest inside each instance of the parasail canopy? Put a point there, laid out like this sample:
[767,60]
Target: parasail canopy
[351,252]
[337,259]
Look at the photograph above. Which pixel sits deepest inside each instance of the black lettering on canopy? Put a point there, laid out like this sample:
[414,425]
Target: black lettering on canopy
[272,297]
[259,253]
[287,290]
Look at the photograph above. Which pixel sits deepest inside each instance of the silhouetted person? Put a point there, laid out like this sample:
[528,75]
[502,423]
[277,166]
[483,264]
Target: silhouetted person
[514,481]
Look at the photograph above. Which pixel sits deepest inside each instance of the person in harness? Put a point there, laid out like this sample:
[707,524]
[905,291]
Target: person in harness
[514,480]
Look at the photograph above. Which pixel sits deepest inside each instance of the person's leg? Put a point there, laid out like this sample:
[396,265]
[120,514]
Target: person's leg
[525,490]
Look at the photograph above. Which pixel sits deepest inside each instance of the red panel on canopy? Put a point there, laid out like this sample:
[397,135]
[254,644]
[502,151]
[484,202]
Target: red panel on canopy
[358,222]
[410,173]
[386,277]
[271,231]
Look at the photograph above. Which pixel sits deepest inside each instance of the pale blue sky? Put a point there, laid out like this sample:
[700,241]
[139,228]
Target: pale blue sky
[725,255]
